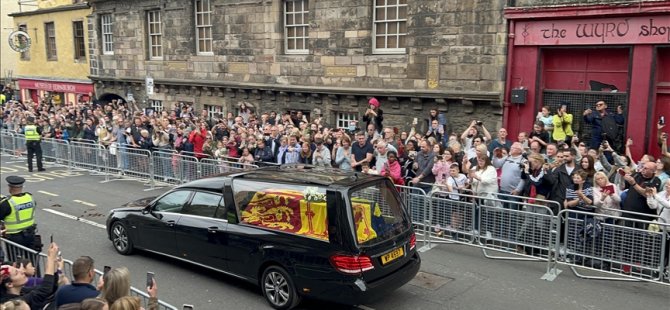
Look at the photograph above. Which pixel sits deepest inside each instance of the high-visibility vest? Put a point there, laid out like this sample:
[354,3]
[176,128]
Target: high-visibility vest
[30,131]
[22,213]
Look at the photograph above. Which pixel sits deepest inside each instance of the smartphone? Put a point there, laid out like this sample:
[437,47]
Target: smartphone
[661,120]
[621,172]
[415,121]
[105,270]
[187,307]
[609,188]
[51,239]
[150,279]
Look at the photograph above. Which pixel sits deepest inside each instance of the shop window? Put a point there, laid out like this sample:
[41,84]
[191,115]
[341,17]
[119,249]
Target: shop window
[345,119]
[389,26]
[203,27]
[106,26]
[79,41]
[155,35]
[296,26]
[50,35]
[24,55]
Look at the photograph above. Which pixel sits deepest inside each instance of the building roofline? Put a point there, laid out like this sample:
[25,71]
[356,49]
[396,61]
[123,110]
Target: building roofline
[62,8]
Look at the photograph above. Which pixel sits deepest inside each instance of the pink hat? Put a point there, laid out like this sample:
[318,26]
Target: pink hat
[374,102]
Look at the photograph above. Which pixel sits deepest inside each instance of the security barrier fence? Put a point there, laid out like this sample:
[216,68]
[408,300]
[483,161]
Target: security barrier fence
[592,245]
[14,252]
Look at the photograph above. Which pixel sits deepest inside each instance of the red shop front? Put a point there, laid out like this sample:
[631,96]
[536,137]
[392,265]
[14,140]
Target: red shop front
[62,93]
[581,55]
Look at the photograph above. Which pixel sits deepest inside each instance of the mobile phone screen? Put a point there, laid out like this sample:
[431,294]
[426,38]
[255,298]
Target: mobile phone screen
[106,270]
[150,279]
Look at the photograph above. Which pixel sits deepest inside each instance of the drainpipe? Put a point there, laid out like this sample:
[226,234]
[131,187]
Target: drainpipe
[508,73]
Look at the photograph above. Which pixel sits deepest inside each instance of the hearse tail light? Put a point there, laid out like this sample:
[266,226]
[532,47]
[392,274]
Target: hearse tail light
[351,264]
[412,242]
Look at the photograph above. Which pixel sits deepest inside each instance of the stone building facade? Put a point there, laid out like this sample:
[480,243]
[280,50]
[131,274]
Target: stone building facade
[282,55]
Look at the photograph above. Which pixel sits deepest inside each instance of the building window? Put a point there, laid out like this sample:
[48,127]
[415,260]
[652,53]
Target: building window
[346,119]
[156,105]
[390,26]
[213,111]
[24,55]
[106,23]
[296,28]
[79,43]
[155,35]
[50,35]
[203,26]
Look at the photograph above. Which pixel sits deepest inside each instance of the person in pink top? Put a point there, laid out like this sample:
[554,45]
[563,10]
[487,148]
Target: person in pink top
[392,168]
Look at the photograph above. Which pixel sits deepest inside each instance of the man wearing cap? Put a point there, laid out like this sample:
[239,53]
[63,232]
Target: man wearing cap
[18,213]
[33,136]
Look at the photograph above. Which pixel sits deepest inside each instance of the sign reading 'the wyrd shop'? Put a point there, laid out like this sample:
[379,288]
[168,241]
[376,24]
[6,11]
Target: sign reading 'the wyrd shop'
[639,30]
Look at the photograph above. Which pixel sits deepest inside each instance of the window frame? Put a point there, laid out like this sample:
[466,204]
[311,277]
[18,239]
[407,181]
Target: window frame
[386,22]
[50,41]
[107,33]
[304,26]
[24,55]
[339,118]
[79,47]
[157,105]
[206,13]
[154,19]
[196,194]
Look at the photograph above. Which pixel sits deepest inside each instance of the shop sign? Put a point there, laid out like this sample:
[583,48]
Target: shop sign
[19,41]
[56,86]
[623,30]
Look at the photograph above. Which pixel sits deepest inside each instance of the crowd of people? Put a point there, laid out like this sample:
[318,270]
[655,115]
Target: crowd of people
[547,162]
[23,289]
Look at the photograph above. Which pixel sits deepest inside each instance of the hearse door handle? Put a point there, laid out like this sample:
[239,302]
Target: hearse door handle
[170,223]
[212,229]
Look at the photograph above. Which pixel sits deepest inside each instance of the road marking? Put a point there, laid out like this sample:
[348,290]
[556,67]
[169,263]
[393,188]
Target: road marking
[85,203]
[47,193]
[85,221]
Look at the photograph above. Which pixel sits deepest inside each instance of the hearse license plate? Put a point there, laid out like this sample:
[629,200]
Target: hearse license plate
[393,255]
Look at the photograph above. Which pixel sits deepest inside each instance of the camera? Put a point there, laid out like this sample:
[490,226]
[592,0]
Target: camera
[480,123]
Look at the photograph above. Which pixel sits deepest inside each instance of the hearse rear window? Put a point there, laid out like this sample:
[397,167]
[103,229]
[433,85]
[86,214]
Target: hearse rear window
[377,212]
[295,209]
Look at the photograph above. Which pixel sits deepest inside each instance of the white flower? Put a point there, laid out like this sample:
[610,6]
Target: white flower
[311,194]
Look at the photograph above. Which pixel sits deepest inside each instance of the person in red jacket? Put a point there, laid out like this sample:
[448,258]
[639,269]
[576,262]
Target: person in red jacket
[198,137]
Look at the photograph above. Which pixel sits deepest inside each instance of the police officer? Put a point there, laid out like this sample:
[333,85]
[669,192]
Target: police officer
[18,213]
[33,136]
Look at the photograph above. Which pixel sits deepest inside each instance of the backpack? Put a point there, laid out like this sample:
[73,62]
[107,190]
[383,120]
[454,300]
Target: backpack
[610,128]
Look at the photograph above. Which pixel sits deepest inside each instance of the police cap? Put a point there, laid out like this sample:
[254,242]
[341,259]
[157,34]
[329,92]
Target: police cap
[15,181]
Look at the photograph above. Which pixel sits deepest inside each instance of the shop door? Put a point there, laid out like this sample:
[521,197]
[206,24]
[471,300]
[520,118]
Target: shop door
[661,106]
[581,77]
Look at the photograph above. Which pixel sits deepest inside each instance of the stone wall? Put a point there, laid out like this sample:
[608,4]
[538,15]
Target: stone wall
[455,59]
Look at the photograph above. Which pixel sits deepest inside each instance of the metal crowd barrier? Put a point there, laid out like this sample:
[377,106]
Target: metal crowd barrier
[521,228]
[14,250]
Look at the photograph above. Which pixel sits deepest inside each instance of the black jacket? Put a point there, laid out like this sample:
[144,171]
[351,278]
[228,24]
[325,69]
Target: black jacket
[38,297]
[560,180]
